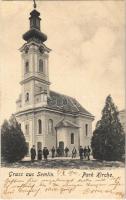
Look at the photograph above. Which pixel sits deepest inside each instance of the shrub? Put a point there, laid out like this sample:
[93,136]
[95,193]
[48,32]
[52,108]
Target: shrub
[13,144]
[108,141]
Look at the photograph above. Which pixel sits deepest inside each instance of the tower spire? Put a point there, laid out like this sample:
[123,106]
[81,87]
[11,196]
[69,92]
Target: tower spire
[34,5]
[35,30]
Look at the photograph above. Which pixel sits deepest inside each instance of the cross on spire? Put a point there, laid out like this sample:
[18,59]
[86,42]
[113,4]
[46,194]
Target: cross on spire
[34,5]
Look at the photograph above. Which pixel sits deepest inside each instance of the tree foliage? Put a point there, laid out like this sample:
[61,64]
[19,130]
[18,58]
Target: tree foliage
[13,145]
[108,141]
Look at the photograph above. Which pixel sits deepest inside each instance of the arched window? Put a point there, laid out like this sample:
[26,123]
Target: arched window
[20,125]
[39,126]
[86,129]
[40,88]
[50,126]
[40,65]
[72,138]
[27,97]
[27,129]
[26,67]
[27,148]
[39,145]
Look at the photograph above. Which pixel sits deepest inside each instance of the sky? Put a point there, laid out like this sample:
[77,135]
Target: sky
[87,57]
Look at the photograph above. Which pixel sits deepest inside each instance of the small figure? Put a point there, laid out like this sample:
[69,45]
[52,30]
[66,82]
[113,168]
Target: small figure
[45,153]
[40,154]
[74,152]
[33,153]
[81,153]
[58,151]
[85,152]
[53,152]
[88,152]
[66,151]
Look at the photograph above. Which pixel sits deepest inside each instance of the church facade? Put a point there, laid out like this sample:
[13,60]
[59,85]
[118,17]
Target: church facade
[47,118]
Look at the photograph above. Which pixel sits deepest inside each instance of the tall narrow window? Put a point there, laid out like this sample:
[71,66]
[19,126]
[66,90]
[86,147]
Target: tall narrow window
[40,88]
[50,126]
[40,65]
[37,23]
[27,148]
[27,97]
[39,126]
[27,67]
[27,129]
[86,129]
[39,145]
[72,138]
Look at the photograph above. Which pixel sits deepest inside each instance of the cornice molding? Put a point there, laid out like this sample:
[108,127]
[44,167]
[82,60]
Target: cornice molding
[28,44]
[45,109]
[35,79]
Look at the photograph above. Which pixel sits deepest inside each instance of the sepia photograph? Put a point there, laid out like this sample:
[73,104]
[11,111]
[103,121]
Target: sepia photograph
[62,98]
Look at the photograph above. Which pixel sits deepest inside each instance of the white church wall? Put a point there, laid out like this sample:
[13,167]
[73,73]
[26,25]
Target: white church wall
[31,58]
[75,131]
[39,137]
[64,135]
[85,140]
[40,87]
[28,88]
[50,140]
[23,120]
[56,117]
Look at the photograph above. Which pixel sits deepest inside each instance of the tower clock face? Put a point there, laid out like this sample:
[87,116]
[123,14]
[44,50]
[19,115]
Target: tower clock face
[41,49]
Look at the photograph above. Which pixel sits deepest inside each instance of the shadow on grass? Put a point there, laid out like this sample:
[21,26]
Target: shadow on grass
[65,164]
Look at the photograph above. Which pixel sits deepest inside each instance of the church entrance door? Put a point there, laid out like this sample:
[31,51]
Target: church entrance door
[39,146]
[61,147]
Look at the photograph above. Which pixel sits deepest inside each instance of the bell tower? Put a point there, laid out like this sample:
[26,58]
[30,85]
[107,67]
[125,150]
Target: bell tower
[35,75]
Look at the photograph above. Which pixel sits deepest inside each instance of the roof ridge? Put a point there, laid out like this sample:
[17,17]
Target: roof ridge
[62,94]
[71,122]
[66,123]
[74,104]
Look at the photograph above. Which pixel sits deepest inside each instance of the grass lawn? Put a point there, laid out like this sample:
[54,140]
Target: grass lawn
[65,163]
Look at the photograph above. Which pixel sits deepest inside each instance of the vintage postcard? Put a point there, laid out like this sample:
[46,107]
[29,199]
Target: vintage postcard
[63,116]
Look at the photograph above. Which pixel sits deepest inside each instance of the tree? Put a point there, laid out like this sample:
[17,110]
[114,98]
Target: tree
[108,141]
[13,145]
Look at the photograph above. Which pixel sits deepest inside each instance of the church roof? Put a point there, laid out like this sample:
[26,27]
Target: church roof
[66,123]
[66,104]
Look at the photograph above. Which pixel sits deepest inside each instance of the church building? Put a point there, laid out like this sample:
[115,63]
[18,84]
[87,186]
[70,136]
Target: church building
[47,118]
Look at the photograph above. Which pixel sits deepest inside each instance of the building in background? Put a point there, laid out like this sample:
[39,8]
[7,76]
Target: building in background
[122,117]
[47,118]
